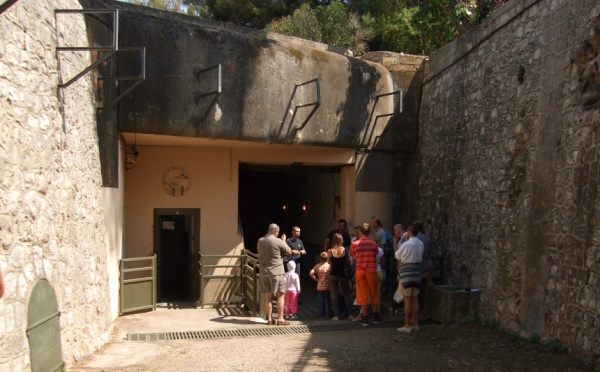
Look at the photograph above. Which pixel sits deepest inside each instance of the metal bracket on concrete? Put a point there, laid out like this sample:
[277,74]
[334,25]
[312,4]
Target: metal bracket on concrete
[5,5]
[315,105]
[371,128]
[108,49]
[215,93]
[137,79]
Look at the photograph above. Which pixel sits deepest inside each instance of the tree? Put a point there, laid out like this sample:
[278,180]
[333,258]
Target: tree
[303,23]
[468,13]
[414,27]
[169,5]
[252,13]
[332,24]
[409,26]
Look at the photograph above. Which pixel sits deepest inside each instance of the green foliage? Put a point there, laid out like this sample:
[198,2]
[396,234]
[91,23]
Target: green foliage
[533,342]
[408,26]
[415,29]
[555,346]
[491,324]
[303,23]
[252,13]
[169,5]
[332,24]
[469,13]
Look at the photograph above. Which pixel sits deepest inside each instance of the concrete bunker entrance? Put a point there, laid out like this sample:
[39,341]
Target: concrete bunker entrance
[289,195]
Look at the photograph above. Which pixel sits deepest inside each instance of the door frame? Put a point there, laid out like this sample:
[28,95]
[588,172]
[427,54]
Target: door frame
[195,213]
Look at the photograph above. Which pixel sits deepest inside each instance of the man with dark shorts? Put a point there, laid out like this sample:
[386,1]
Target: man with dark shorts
[272,280]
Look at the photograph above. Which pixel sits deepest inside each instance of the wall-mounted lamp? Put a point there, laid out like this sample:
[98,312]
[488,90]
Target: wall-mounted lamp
[304,207]
[131,156]
[284,207]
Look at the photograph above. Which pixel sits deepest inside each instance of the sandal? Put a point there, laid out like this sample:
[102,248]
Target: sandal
[283,323]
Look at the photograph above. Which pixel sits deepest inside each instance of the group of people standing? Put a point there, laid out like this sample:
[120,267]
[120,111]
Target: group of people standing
[360,265]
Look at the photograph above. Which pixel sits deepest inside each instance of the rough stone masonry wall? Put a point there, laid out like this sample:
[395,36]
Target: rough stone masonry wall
[51,217]
[510,165]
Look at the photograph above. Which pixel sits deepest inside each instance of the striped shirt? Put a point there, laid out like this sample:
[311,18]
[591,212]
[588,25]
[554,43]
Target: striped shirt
[365,252]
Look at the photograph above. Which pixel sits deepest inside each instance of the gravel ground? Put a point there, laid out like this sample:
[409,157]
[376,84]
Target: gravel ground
[466,347]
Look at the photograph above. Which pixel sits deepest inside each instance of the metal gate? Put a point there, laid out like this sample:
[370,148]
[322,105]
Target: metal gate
[253,300]
[43,329]
[246,278]
[138,284]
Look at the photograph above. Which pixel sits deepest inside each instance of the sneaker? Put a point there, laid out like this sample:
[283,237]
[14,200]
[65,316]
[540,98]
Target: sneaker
[415,329]
[364,322]
[335,318]
[294,317]
[377,319]
[405,329]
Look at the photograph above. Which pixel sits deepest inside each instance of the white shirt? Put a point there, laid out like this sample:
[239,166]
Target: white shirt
[379,255]
[411,251]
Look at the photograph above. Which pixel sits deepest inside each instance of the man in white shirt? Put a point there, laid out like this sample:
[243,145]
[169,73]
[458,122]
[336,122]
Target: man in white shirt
[409,256]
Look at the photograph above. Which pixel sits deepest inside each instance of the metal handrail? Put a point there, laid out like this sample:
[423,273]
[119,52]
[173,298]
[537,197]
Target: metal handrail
[110,49]
[314,104]
[204,276]
[248,273]
[397,109]
[137,79]
[215,93]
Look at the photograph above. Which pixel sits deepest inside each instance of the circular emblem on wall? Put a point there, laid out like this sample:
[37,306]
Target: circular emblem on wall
[176,181]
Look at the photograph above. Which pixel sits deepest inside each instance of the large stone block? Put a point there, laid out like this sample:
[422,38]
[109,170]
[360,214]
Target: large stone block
[451,304]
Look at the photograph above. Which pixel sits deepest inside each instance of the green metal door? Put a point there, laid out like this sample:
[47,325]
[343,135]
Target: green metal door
[43,329]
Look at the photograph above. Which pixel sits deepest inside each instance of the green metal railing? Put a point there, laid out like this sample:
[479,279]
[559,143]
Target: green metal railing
[250,287]
[246,276]
[138,293]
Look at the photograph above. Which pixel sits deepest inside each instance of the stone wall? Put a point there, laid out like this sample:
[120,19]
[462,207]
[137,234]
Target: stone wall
[51,215]
[509,167]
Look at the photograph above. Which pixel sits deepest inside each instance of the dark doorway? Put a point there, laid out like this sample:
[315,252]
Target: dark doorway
[279,194]
[264,190]
[263,194]
[176,245]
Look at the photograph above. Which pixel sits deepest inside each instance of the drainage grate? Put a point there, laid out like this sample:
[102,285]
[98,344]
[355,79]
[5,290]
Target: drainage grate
[252,332]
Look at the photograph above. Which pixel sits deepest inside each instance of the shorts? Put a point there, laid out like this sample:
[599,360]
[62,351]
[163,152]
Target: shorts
[366,283]
[412,291]
[272,283]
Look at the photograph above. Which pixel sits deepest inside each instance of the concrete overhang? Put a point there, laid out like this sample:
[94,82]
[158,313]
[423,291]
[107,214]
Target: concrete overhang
[253,152]
[260,72]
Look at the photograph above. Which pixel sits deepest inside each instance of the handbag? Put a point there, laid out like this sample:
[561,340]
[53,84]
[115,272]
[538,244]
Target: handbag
[398,297]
